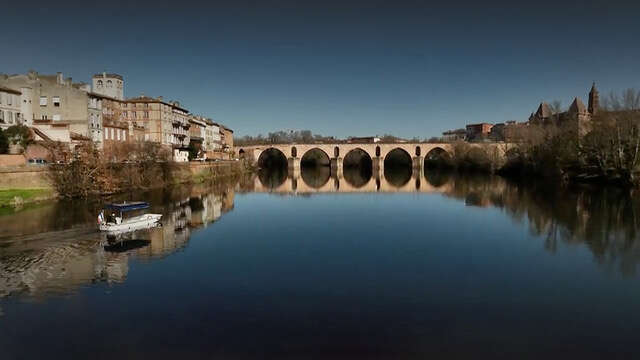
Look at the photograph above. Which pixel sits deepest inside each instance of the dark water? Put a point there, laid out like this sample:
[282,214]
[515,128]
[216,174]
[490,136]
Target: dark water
[341,268]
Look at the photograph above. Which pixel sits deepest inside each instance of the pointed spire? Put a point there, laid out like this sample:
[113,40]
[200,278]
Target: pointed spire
[577,106]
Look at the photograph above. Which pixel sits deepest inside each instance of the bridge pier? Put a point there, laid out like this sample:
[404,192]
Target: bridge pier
[293,167]
[377,167]
[418,164]
[336,166]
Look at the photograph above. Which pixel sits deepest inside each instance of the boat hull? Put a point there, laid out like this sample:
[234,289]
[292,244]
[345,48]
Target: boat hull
[137,223]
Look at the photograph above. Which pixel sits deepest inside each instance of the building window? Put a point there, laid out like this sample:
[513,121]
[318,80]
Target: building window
[133,114]
[56,101]
[124,135]
[109,83]
[124,114]
[1,117]
[44,117]
[146,105]
[146,137]
[124,105]
[43,101]
[99,84]
[118,134]
[146,114]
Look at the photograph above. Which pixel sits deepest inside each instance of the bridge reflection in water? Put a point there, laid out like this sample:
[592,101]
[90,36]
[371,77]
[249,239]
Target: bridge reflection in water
[321,179]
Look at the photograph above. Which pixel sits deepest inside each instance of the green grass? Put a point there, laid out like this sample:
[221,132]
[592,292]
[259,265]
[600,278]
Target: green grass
[27,195]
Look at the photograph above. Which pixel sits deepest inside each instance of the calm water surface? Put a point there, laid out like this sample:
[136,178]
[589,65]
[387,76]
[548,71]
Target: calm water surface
[401,266]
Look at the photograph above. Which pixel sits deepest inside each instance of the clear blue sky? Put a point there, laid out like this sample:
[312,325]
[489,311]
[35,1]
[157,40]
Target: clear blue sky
[337,68]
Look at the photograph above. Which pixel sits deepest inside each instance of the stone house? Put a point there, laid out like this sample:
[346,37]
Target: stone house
[10,110]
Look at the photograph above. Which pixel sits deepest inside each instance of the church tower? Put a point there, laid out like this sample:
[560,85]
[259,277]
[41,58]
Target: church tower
[594,100]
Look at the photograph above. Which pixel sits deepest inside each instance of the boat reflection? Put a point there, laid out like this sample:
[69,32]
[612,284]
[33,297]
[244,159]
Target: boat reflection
[53,261]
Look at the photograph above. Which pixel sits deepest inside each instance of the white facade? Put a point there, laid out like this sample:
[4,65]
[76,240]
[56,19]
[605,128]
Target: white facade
[95,119]
[180,155]
[212,138]
[10,109]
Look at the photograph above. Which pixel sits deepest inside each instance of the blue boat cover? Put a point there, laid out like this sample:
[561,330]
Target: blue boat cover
[128,206]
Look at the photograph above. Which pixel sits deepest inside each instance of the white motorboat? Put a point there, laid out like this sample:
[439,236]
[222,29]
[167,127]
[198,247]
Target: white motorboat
[118,218]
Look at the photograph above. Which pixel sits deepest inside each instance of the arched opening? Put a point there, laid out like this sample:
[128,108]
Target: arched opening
[377,151]
[336,152]
[357,167]
[397,167]
[294,152]
[315,168]
[272,165]
[418,150]
[241,153]
[418,183]
[438,158]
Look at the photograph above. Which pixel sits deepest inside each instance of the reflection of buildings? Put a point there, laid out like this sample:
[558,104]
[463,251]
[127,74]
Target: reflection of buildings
[59,268]
[58,262]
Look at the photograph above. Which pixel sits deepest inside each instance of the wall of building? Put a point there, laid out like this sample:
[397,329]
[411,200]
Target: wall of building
[10,111]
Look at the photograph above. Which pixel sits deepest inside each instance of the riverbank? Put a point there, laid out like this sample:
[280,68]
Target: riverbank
[20,186]
[19,197]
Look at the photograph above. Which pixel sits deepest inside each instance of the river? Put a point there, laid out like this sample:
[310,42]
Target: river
[398,266]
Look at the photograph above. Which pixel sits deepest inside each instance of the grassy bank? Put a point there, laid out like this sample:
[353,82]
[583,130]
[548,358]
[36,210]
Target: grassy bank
[16,197]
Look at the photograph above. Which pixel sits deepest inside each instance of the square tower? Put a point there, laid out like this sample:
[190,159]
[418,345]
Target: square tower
[111,85]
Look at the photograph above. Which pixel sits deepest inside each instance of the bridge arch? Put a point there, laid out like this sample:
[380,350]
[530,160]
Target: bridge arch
[438,157]
[317,155]
[357,167]
[271,156]
[398,167]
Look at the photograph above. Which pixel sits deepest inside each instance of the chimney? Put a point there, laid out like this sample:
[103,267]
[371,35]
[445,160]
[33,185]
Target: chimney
[60,79]
[69,81]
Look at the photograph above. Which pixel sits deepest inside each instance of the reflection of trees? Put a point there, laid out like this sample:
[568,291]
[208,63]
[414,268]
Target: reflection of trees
[437,178]
[605,220]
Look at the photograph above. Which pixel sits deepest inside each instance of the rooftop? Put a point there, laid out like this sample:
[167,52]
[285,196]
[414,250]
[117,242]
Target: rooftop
[9,90]
[108,75]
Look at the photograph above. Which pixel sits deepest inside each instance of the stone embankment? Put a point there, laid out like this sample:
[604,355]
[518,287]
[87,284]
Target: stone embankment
[27,179]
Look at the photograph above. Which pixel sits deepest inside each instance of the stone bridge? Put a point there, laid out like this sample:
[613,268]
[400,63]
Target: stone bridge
[336,153]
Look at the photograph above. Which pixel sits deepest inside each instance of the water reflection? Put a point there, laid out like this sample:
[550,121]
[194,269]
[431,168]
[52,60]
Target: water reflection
[49,259]
[603,220]
[315,176]
[56,249]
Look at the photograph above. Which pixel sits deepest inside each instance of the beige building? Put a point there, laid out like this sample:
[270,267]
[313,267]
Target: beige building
[10,111]
[59,107]
[197,133]
[212,138]
[226,138]
[165,123]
